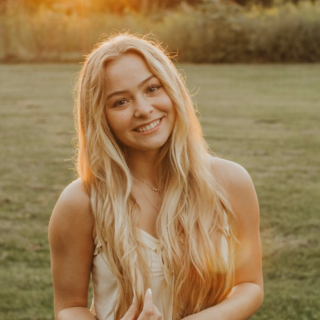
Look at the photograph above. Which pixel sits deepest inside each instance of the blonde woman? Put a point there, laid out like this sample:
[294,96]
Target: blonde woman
[166,230]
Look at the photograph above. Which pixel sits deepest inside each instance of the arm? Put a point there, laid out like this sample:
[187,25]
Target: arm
[247,293]
[71,245]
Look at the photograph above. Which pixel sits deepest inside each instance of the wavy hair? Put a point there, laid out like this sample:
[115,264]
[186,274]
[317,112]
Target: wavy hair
[191,225]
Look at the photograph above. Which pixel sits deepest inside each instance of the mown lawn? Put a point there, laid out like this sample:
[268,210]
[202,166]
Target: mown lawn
[265,117]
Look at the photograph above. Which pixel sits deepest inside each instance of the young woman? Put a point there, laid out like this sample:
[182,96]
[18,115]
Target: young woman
[166,230]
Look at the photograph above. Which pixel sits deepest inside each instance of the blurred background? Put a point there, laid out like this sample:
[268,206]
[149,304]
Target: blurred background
[253,67]
[210,31]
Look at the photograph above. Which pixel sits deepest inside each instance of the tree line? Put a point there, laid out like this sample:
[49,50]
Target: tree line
[121,6]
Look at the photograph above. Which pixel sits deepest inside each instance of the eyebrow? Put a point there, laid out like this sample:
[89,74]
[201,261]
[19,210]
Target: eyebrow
[126,91]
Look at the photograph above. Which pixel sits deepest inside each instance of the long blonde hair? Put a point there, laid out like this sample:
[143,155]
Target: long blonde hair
[192,220]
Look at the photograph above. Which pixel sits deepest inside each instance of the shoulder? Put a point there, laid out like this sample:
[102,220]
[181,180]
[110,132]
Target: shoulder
[237,184]
[229,174]
[72,212]
[71,247]
[73,201]
[241,194]
[75,195]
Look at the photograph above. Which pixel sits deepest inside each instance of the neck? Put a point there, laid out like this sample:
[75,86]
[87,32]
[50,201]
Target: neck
[142,166]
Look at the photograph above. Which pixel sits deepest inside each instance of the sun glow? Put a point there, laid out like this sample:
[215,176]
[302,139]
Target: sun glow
[115,6]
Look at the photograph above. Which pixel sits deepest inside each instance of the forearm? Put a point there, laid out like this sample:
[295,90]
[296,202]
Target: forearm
[243,301]
[79,313]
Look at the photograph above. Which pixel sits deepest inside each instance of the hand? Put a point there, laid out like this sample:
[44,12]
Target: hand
[149,311]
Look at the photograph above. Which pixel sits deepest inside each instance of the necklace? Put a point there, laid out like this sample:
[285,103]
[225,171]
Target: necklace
[153,188]
[147,198]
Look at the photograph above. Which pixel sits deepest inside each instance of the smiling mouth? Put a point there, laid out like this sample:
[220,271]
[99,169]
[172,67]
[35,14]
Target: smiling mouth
[148,127]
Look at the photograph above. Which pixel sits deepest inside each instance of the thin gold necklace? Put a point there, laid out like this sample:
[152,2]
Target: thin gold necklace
[147,197]
[153,188]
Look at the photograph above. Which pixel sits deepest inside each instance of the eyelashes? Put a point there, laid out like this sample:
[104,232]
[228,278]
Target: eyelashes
[153,88]
[150,90]
[120,102]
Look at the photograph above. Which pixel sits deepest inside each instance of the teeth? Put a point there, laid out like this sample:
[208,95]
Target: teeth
[149,126]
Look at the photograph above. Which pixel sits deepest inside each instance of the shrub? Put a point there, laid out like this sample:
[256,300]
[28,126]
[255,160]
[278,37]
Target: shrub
[211,33]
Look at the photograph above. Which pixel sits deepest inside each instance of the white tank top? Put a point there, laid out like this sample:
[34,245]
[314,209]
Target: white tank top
[105,291]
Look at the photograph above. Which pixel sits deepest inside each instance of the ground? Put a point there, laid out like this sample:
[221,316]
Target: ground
[265,117]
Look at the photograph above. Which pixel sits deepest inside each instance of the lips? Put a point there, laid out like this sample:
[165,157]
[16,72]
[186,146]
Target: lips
[148,126]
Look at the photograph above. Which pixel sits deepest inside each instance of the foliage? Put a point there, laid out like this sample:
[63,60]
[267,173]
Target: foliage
[211,32]
[114,6]
[220,33]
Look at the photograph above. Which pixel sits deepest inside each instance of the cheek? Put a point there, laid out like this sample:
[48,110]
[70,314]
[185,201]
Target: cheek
[167,102]
[118,122]
[171,110]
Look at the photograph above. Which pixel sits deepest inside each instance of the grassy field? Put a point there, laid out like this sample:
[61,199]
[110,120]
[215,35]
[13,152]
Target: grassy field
[265,117]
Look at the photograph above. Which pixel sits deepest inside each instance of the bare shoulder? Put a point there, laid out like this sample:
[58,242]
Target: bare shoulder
[237,183]
[71,247]
[244,202]
[72,212]
[230,174]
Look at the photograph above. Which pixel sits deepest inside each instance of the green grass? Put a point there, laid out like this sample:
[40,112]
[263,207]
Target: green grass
[265,117]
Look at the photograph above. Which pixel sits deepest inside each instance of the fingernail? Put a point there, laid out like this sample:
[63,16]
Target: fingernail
[149,291]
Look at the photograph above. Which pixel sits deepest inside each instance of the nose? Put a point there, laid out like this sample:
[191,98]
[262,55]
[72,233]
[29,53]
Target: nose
[142,107]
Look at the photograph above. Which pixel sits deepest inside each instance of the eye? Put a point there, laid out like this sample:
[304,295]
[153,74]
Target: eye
[153,88]
[120,103]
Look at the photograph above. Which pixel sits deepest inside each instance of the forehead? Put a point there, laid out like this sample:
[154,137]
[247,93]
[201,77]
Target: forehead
[126,71]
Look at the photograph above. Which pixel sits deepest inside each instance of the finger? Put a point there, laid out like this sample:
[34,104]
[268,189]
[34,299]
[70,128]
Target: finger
[148,310]
[131,313]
